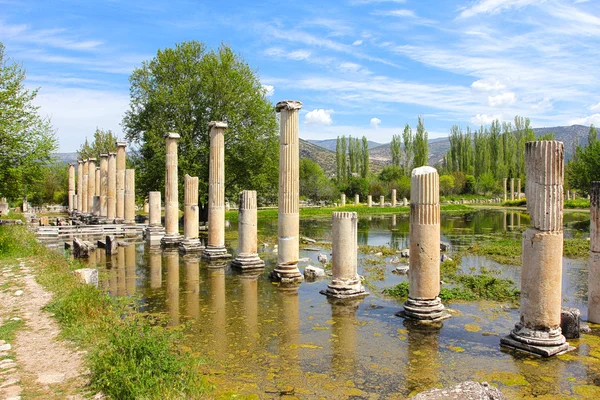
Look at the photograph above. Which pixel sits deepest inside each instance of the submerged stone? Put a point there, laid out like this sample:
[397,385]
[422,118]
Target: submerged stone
[468,390]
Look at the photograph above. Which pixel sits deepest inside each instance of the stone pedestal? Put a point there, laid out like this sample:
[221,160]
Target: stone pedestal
[594,262]
[191,242]
[287,270]
[84,188]
[103,186]
[111,193]
[121,155]
[381,201]
[171,237]
[344,260]
[247,258]
[91,191]
[356,199]
[512,189]
[423,303]
[155,230]
[215,247]
[504,182]
[369,201]
[129,197]
[79,185]
[538,330]
[343,200]
[393,197]
[71,192]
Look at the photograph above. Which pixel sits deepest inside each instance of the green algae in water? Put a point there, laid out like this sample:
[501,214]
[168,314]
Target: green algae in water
[506,378]
[587,391]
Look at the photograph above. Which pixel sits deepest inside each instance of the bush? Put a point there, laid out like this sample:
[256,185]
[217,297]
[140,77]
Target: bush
[515,203]
[446,185]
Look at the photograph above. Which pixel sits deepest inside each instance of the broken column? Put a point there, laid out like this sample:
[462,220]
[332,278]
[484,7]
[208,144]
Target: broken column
[71,192]
[287,270]
[344,259]
[103,186]
[356,199]
[538,330]
[84,188]
[91,191]
[215,247]
[129,214]
[343,200]
[191,241]
[111,193]
[155,230]
[79,185]
[504,183]
[381,201]
[423,302]
[594,263]
[369,201]
[247,258]
[120,193]
[96,206]
[393,197]
[171,237]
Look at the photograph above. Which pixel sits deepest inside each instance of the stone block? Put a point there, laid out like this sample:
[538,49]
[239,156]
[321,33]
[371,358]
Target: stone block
[312,273]
[89,276]
[570,322]
[80,248]
[468,390]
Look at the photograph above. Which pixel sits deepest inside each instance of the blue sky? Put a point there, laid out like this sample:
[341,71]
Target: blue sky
[360,67]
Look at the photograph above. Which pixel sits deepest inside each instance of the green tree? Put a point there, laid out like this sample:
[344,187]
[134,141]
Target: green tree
[396,148]
[421,145]
[584,167]
[50,186]
[408,140]
[26,139]
[314,185]
[103,142]
[446,184]
[364,172]
[181,90]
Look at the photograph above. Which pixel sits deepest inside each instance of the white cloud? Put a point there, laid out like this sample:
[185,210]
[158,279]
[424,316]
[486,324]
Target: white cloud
[397,13]
[360,2]
[58,38]
[484,119]
[299,55]
[375,122]
[488,85]
[319,117]
[495,6]
[357,42]
[590,119]
[269,90]
[501,100]
[595,107]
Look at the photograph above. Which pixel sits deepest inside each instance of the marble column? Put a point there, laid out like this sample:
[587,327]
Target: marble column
[171,237]
[519,189]
[215,247]
[191,242]
[103,186]
[381,201]
[91,184]
[344,259]
[287,270]
[538,330]
[343,200]
[71,186]
[512,189]
[356,199]
[594,262]
[129,198]
[121,155]
[79,186]
[504,182]
[155,230]
[393,197]
[97,182]
[111,193]
[84,188]
[247,258]
[423,302]
[369,201]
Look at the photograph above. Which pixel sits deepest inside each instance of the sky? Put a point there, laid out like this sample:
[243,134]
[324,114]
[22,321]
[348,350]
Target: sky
[360,67]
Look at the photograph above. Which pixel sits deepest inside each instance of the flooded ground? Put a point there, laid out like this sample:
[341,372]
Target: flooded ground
[257,340]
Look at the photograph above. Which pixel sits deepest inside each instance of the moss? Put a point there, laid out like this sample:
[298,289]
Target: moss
[506,378]
[576,248]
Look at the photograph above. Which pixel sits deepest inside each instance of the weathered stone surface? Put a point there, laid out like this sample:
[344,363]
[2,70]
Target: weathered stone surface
[89,276]
[171,237]
[369,201]
[120,181]
[594,260]
[81,249]
[468,390]
[71,191]
[111,194]
[79,204]
[111,245]
[570,322]
[311,273]
[190,243]
[129,197]
[103,186]
[247,257]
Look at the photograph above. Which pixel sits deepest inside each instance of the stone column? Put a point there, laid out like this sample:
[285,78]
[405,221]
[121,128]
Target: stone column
[84,188]
[381,201]
[287,270]
[96,206]
[343,200]
[393,197]
[568,195]
[79,186]
[91,192]
[356,199]
[75,201]
[171,237]
[247,258]
[103,186]
[423,303]
[538,330]
[369,201]
[97,182]
[519,189]
[594,263]
[129,197]
[111,193]
[71,186]
[215,248]
[504,181]
[120,210]
[155,230]
[190,242]
[512,189]
[344,260]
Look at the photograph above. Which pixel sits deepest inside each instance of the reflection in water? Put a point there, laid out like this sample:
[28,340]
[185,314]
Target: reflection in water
[289,340]
[121,288]
[216,279]
[172,264]
[343,337]
[155,264]
[250,303]
[130,269]
[423,352]
[191,266]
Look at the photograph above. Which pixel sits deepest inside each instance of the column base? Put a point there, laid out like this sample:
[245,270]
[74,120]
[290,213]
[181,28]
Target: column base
[286,273]
[213,253]
[190,246]
[248,262]
[170,241]
[154,235]
[426,311]
[345,289]
[119,221]
[545,343]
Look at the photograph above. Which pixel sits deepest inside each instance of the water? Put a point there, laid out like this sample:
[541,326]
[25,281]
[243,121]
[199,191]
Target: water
[255,339]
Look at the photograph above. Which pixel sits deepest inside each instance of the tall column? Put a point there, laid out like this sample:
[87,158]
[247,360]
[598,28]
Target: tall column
[190,242]
[343,200]
[356,199]
[129,197]
[121,155]
[538,330]
[369,201]
[594,263]
[423,303]
[103,185]
[381,201]
[344,259]
[512,189]
[155,230]
[519,189]
[96,206]
[97,182]
[247,258]
[84,188]
[91,184]
[393,197]
[111,193]
[79,186]
[215,248]
[504,181]
[71,186]
[171,237]
[288,219]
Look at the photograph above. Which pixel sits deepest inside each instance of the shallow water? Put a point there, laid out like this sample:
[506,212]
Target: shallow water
[258,340]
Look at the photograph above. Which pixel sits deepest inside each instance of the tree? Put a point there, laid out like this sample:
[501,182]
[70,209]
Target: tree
[103,142]
[584,167]
[26,139]
[421,145]
[407,138]
[364,172]
[313,182]
[396,148]
[181,90]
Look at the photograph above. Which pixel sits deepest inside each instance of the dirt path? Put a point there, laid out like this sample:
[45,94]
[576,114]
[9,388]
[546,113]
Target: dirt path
[38,364]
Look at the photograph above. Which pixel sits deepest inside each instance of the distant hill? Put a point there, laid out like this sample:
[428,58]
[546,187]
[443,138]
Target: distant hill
[66,157]
[330,144]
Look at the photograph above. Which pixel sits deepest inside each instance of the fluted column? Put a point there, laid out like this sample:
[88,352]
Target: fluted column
[84,187]
[287,270]
[171,237]
[247,258]
[190,242]
[121,155]
[71,192]
[79,186]
[344,259]
[504,181]
[91,184]
[393,197]
[103,185]
[129,197]
[424,263]
[538,330]
[594,262]
[215,248]
[155,230]
[356,199]
[111,193]
[512,189]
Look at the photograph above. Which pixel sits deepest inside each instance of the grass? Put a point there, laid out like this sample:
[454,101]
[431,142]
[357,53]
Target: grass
[576,248]
[130,355]
[503,249]
[13,216]
[9,329]
[577,203]
[515,203]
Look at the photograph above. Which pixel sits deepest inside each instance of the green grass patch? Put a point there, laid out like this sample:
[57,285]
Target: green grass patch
[576,248]
[9,329]
[578,203]
[503,249]
[370,250]
[515,203]
[13,216]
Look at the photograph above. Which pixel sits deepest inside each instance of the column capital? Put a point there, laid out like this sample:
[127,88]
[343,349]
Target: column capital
[121,144]
[92,159]
[112,154]
[172,135]
[79,161]
[288,105]
[218,124]
[104,155]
